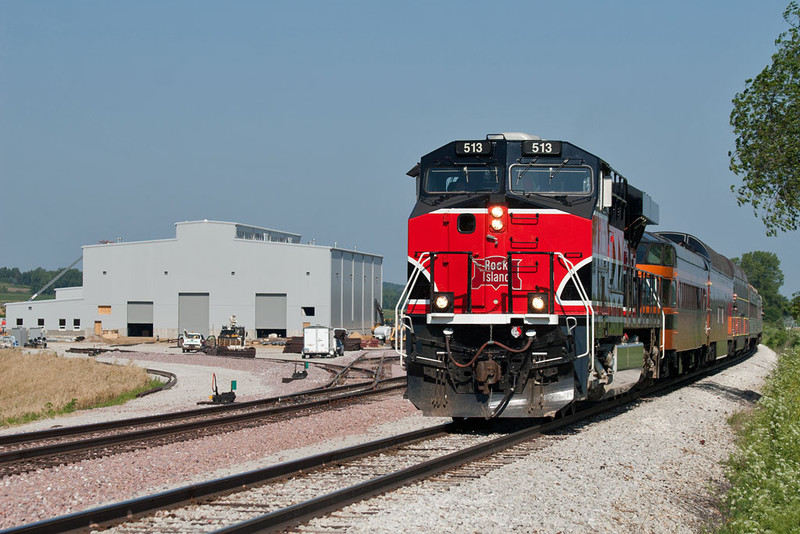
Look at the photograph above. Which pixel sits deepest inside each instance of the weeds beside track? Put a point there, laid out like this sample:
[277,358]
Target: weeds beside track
[765,469]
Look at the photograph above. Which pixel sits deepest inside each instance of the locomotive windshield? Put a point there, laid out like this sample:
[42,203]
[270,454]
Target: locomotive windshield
[551,179]
[463,180]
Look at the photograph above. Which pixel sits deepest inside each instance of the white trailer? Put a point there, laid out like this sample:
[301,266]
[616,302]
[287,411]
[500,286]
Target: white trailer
[320,341]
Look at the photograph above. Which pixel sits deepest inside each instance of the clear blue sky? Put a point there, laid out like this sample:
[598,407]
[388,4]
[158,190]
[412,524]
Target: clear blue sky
[118,119]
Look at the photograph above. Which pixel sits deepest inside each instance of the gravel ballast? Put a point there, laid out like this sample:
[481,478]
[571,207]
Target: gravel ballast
[653,467]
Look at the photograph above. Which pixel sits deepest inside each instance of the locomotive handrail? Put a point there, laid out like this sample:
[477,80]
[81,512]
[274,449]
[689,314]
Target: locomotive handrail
[551,292]
[573,275]
[402,302]
[469,272]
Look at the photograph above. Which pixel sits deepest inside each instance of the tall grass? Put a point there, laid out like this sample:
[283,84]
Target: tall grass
[36,386]
[765,469]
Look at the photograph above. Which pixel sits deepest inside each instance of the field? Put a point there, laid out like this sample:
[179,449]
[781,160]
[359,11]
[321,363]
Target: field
[36,386]
[16,293]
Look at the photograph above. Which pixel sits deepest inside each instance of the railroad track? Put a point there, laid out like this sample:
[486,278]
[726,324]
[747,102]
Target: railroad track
[46,448]
[282,496]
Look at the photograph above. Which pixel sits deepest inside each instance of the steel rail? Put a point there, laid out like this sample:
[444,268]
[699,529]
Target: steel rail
[172,379]
[55,433]
[295,514]
[171,498]
[300,512]
[9,457]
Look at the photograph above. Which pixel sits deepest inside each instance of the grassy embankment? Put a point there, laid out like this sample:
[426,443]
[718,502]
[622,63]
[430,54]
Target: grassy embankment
[765,469]
[37,386]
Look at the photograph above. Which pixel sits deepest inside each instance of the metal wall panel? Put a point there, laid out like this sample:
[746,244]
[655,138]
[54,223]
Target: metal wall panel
[140,312]
[358,294]
[347,290]
[193,312]
[271,311]
[336,288]
[377,282]
[369,291]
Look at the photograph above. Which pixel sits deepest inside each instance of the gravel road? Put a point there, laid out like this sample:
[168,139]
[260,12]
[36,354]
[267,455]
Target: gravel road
[653,467]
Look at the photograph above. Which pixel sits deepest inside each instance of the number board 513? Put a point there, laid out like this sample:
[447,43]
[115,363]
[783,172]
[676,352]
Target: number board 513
[473,148]
[541,148]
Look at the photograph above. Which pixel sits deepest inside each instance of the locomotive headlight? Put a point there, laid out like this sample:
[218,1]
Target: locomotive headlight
[443,302]
[497,213]
[537,302]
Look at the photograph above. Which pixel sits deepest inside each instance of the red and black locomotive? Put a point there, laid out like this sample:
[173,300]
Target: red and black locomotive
[524,295]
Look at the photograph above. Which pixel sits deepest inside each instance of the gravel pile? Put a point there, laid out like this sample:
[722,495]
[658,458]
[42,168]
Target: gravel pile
[654,467]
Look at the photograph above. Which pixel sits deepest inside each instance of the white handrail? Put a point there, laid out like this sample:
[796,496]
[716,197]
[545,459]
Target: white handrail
[400,318]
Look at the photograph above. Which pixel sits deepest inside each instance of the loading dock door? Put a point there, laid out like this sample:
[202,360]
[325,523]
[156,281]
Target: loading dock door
[140,319]
[193,313]
[270,314]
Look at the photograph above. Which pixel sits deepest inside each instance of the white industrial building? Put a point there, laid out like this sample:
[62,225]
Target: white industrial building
[209,272]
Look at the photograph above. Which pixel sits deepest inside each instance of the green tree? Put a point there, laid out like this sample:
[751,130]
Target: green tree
[763,270]
[795,306]
[39,277]
[391,294]
[766,121]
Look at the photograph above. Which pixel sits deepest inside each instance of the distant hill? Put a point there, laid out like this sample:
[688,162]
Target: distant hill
[391,294]
[34,280]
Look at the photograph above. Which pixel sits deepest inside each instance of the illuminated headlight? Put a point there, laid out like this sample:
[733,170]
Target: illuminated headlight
[537,302]
[443,302]
[497,213]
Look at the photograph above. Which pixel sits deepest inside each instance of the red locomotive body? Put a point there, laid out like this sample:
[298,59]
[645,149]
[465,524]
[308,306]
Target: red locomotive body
[523,294]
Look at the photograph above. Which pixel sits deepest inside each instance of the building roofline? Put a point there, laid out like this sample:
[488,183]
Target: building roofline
[242,225]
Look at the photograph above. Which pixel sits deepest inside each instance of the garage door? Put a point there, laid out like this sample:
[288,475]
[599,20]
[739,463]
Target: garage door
[140,319]
[193,312]
[270,314]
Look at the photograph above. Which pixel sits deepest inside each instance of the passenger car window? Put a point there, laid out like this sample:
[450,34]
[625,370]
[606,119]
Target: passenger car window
[654,254]
[669,256]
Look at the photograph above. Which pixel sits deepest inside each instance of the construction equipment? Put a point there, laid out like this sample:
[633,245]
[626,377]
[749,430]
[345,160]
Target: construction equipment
[53,281]
[230,342]
[231,335]
[382,331]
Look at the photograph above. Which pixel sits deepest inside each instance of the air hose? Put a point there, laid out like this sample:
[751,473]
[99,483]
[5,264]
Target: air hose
[480,350]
